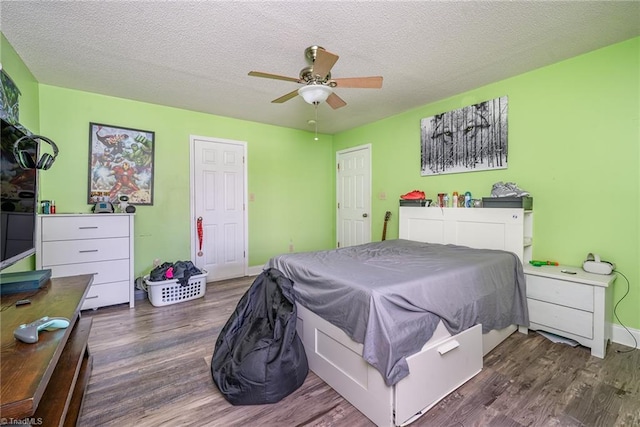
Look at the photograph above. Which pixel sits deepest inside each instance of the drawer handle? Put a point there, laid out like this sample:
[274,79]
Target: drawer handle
[447,347]
[93,297]
[88,250]
[87,228]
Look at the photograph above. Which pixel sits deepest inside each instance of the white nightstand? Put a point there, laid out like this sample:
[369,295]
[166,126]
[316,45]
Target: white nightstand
[577,306]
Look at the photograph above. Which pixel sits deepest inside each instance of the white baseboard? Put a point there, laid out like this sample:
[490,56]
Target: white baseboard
[255,270]
[621,336]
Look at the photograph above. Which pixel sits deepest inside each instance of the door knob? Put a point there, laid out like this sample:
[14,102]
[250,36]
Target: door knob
[364,215]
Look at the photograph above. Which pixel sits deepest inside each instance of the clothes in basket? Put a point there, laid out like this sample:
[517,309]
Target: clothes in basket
[180,271]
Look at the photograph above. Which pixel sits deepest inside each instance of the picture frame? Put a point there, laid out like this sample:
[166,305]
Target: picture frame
[469,139]
[121,163]
[9,98]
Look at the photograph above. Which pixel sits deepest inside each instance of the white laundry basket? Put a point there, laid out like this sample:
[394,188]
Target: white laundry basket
[167,292]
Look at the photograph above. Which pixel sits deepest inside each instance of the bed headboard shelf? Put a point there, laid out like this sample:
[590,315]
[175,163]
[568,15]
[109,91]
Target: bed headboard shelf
[509,229]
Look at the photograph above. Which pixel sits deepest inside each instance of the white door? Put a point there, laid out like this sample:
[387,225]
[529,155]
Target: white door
[218,200]
[354,196]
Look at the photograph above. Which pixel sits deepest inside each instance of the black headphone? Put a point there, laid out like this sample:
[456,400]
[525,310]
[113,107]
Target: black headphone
[26,160]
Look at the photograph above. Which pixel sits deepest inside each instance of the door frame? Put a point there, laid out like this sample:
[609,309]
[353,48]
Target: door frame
[192,202]
[367,147]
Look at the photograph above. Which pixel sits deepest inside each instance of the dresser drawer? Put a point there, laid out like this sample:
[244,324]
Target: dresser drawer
[106,294]
[562,318]
[83,227]
[569,294]
[103,271]
[82,251]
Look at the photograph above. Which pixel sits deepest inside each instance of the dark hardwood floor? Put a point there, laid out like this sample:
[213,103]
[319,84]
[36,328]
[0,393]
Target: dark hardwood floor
[152,368]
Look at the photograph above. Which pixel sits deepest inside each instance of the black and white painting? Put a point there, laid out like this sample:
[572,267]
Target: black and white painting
[468,139]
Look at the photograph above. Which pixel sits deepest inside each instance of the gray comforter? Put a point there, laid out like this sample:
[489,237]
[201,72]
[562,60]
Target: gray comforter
[390,295]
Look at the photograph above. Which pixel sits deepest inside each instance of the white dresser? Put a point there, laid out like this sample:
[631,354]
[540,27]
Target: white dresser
[577,306]
[99,244]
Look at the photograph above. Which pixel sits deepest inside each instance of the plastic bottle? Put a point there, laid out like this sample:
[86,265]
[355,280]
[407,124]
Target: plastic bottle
[455,199]
[52,208]
[467,199]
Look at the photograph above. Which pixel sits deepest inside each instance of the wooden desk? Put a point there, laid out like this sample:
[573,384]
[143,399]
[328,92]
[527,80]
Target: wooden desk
[45,381]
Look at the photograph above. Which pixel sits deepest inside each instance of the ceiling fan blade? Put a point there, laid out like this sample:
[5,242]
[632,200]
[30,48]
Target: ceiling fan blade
[335,101]
[323,63]
[274,76]
[374,82]
[286,97]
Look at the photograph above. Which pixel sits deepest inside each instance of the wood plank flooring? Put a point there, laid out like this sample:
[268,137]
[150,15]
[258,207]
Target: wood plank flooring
[151,367]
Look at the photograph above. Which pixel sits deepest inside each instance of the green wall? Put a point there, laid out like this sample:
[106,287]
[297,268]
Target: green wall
[574,131]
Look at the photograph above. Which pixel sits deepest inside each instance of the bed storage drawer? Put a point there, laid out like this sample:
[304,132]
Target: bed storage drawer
[436,371]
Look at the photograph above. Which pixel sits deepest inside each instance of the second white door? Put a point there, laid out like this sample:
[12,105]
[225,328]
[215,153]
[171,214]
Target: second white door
[354,196]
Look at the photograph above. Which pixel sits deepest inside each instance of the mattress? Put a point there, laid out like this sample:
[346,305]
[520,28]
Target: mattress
[390,295]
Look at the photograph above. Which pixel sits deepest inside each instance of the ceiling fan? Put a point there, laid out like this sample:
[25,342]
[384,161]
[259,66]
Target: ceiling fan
[318,84]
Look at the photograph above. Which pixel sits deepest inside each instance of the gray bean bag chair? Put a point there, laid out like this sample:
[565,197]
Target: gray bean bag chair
[259,357]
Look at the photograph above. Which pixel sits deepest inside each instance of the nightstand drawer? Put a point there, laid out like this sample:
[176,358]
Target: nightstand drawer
[569,294]
[566,319]
[80,251]
[83,227]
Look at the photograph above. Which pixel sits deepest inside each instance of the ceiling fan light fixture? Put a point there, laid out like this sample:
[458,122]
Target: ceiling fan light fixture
[315,94]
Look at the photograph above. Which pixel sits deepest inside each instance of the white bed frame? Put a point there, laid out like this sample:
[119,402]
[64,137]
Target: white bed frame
[445,362]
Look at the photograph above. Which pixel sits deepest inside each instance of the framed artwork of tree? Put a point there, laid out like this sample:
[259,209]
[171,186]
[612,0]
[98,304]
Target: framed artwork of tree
[468,139]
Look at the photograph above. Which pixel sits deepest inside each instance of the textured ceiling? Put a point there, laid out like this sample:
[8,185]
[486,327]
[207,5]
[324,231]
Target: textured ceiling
[196,55]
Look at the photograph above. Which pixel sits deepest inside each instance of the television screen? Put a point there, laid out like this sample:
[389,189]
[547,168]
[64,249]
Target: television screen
[18,197]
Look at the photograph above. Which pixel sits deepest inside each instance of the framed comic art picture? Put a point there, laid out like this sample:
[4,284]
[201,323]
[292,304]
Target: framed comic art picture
[120,164]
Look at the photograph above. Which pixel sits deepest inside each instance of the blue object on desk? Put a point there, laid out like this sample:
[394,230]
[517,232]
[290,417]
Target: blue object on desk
[23,281]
